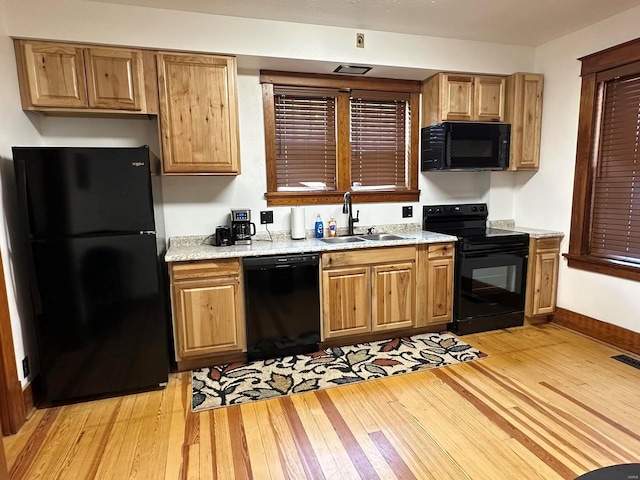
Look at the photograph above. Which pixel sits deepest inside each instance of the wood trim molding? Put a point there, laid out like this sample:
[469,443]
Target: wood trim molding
[324,198]
[341,82]
[11,402]
[615,56]
[4,473]
[605,266]
[414,142]
[578,243]
[29,397]
[606,332]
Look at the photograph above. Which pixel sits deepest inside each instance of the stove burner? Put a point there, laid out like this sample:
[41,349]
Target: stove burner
[468,222]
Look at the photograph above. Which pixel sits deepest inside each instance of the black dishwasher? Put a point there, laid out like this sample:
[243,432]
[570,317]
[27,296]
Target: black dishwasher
[282,305]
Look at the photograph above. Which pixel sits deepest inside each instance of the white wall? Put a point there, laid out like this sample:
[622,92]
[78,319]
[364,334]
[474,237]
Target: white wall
[544,200]
[15,128]
[195,205]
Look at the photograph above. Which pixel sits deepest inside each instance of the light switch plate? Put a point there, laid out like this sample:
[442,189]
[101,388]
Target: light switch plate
[407,212]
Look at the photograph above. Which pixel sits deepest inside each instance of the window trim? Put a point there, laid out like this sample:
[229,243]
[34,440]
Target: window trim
[595,69]
[343,177]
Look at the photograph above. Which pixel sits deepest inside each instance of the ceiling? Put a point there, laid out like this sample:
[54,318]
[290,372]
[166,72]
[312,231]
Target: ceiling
[519,22]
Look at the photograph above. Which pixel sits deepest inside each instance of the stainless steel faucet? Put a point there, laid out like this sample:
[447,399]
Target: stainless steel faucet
[347,209]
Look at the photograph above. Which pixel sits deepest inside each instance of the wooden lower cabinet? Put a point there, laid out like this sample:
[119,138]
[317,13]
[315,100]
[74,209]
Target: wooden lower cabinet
[542,276]
[346,301]
[208,308]
[393,296]
[368,290]
[435,284]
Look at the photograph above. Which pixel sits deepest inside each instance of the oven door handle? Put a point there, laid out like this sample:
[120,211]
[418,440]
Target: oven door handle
[485,253]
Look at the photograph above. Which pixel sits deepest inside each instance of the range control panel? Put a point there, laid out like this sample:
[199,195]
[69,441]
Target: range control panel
[478,210]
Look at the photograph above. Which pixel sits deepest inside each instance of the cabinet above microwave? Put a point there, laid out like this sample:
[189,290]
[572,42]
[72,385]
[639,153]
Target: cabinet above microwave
[515,99]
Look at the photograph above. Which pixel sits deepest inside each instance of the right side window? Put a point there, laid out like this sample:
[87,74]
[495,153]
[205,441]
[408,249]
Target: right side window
[605,228]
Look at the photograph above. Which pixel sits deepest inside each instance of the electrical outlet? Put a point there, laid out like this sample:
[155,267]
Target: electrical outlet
[360,40]
[25,367]
[266,216]
[407,212]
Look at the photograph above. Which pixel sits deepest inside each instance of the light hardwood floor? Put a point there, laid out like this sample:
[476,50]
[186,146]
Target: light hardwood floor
[546,404]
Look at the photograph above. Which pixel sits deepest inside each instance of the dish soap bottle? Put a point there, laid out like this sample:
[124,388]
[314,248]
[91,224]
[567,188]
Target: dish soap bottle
[319,229]
[333,227]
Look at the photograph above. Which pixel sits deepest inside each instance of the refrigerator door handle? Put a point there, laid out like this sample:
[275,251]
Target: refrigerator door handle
[31,267]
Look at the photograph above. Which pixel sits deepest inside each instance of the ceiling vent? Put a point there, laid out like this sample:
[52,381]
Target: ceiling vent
[352,69]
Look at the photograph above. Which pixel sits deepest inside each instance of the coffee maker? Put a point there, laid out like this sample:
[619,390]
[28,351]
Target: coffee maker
[242,228]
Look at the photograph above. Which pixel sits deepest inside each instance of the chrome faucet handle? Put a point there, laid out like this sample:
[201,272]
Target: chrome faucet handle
[357,217]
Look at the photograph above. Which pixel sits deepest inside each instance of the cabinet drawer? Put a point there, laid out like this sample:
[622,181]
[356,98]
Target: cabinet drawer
[368,256]
[204,269]
[441,250]
[548,243]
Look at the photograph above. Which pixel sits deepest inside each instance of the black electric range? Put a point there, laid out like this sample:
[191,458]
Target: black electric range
[490,268]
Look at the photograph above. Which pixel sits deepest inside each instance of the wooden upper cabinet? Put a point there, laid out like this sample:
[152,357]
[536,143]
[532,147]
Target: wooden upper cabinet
[489,99]
[462,97]
[198,114]
[458,95]
[524,113]
[53,75]
[114,78]
[63,78]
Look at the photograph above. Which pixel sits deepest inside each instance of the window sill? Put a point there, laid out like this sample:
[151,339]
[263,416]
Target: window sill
[613,268]
[321,198]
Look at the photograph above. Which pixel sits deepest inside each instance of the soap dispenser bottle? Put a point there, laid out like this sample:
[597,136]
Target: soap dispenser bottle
[333,227]
[319,228]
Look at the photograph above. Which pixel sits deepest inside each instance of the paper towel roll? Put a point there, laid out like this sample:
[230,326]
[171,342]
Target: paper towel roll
[297,223]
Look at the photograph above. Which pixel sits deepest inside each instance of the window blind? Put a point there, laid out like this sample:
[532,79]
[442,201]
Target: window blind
[615,222]
[305,132]
[380,145]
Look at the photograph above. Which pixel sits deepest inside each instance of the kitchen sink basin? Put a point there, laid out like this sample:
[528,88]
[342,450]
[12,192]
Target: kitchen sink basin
[382,236]
[341,239]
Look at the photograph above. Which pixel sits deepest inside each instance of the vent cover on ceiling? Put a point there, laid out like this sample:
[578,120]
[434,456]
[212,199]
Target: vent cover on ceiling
[352,69]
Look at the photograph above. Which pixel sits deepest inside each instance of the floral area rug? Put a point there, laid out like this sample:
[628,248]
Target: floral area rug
[236,383]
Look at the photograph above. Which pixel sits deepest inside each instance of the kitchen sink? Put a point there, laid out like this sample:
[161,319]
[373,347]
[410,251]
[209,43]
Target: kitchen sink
[341,239]
[382,236]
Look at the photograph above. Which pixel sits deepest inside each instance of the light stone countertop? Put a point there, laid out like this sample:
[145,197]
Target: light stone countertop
[198,247]
[538,233]
[533,232]
[194,247]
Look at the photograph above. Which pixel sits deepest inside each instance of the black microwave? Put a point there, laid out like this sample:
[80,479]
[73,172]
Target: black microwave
[465,146]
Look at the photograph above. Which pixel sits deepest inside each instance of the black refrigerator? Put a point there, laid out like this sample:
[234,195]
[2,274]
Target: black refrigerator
[96,272]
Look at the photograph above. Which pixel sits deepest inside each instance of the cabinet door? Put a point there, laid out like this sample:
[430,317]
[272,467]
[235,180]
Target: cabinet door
[546,283]
[54,75]
[114,78]
[208,316]
[457,97]
[489,99]
[440,290]
[524,112]
[346,302]
[198,114]
[393,296]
